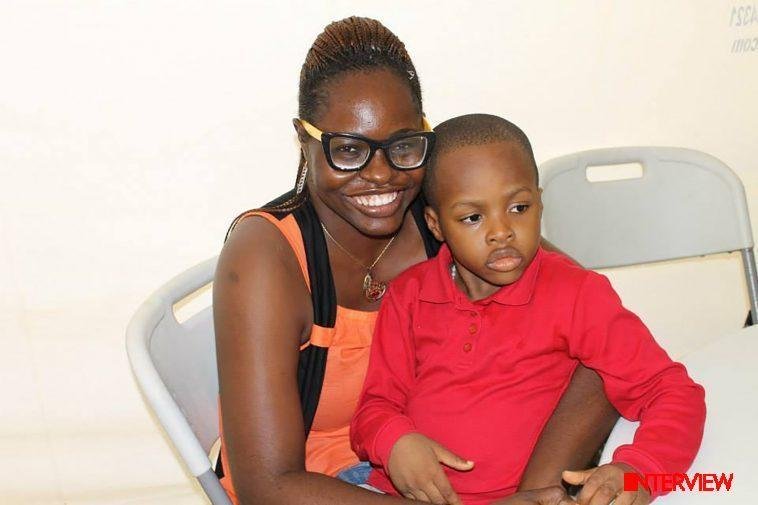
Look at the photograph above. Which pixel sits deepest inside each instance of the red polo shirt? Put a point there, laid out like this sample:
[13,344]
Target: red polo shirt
[482,378]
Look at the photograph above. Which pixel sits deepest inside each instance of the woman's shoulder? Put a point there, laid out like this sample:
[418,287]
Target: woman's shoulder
[257,229]
[259,278]
[277,212]
[262,244]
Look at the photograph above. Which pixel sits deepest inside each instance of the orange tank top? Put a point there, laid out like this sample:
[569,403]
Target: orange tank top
[327,449]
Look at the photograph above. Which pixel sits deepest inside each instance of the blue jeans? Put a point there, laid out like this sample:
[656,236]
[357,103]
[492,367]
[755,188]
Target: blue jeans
[357,474]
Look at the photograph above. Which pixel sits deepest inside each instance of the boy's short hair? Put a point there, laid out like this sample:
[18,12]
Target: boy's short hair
[468,130]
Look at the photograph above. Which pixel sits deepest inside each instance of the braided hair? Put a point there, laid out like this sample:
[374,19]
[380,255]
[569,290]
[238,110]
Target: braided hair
[349,45]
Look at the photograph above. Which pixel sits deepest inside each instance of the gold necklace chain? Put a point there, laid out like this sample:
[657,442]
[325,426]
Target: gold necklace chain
[373,290]
[353,257]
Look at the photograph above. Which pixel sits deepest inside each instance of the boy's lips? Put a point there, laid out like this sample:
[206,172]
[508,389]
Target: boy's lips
[504,260]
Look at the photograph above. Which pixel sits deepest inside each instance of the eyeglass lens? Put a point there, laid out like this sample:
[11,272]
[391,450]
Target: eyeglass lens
[350,153]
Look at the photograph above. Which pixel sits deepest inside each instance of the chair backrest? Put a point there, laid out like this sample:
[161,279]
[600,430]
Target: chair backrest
[175,366]
[185,356]
[686,203]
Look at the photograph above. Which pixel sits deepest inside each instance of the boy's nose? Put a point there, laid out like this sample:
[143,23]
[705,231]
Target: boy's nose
[500,232]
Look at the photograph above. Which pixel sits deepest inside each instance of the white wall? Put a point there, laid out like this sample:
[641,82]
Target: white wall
[131,134]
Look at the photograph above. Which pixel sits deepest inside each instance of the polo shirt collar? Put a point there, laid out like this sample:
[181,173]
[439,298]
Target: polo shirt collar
[439,287]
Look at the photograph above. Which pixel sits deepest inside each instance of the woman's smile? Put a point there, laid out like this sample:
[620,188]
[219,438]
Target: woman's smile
[379,204]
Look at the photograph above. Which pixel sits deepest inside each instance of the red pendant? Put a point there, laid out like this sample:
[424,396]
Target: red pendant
[373,290]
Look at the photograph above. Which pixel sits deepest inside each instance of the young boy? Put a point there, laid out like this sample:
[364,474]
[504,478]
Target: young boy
[474,348]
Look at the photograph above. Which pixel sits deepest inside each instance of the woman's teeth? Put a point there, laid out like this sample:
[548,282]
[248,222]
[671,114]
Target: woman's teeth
[376,200]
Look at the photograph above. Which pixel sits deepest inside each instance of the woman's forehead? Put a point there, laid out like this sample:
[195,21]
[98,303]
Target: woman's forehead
[373,103]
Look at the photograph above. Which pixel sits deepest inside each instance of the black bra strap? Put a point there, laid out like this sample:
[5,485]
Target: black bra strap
[323,294]
[312,363]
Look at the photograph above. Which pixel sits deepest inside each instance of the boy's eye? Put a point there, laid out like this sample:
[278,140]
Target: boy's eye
[473,218]
[519,208]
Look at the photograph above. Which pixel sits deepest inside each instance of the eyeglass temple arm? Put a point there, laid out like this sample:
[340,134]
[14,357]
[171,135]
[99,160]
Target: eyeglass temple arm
[311,130]
[426,125]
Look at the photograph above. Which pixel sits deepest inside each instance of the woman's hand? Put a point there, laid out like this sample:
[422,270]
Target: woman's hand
[415,470]
[605,484]
[553,495]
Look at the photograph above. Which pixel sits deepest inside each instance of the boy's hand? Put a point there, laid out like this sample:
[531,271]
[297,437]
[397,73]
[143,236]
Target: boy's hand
[604,484]
[554,495]
[414,468]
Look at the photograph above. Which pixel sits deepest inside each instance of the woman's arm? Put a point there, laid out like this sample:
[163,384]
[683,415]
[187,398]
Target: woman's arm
[574,433]
[262,312]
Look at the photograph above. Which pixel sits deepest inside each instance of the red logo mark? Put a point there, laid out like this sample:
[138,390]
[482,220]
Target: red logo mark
[665,482]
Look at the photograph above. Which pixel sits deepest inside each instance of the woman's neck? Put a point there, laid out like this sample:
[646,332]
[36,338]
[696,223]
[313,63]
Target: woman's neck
[364,248]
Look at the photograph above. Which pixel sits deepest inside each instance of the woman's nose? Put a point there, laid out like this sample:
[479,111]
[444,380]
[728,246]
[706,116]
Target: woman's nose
[378,171]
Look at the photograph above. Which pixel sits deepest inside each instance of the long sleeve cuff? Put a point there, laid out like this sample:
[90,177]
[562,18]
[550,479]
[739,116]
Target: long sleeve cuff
[641,462]
[389,434]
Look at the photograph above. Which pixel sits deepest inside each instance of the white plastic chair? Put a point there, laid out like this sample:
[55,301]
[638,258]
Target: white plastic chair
[686,203]
[175,366]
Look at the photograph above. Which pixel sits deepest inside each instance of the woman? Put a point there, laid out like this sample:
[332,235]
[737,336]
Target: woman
[298,285]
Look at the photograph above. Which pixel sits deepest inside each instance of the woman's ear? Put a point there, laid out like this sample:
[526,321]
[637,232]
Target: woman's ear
[433,223]
[302,135]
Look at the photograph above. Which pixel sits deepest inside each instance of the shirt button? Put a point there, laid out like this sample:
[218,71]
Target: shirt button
[472,329]
[467,347]
[473,314]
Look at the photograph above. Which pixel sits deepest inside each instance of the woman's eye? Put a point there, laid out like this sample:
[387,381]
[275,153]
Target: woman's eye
[347,151]
[401,146]
[347,148]
[519,208]
[473,218]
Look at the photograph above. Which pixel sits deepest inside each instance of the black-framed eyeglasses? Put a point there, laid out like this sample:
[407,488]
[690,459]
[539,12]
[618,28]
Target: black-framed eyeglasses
[349,152]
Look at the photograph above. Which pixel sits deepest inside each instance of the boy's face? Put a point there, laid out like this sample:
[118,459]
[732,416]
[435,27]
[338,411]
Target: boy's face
[488,211]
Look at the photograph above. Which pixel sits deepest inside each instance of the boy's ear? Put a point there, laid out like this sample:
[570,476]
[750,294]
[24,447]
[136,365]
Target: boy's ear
[539,199]
[433,223]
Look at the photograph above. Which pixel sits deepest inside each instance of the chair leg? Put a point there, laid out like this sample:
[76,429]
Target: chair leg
[213,489]
[751,274]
